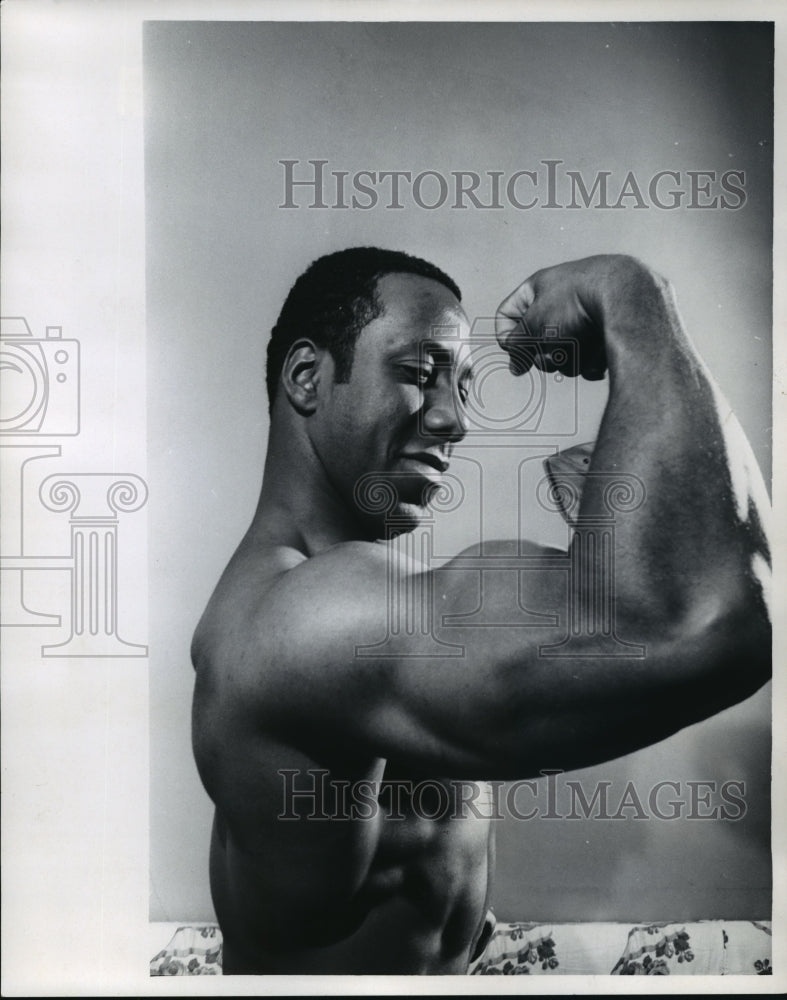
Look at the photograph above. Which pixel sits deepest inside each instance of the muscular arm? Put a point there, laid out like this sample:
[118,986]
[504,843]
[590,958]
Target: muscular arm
[696,548]
[689,566]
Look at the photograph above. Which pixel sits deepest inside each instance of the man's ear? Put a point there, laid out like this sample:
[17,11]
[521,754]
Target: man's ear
[301,375]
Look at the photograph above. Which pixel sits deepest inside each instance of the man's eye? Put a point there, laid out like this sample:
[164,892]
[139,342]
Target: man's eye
[463,388]
[420,376]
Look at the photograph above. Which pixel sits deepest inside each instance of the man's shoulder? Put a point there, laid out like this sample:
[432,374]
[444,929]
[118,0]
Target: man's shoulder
[270,590]
[342,571]
[281,570]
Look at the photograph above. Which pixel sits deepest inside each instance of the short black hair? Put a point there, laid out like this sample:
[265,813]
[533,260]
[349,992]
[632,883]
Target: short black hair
[334,299]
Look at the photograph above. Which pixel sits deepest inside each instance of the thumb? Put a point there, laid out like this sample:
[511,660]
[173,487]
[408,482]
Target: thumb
[510,317]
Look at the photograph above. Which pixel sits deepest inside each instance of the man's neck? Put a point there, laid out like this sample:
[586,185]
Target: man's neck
[299,507]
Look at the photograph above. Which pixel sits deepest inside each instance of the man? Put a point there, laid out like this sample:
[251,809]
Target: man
[368,368]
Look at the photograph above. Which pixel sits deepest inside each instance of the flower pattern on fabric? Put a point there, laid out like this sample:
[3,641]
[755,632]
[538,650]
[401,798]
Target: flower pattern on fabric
[675,945]
[648,967]
[193,951]
[538,951]
[713,947]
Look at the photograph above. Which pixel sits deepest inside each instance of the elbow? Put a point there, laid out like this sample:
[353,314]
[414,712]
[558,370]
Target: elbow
[746,626]
[727,657]
[748,637]
[755,639]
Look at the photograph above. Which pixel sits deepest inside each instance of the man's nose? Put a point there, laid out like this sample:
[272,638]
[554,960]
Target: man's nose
[445,418]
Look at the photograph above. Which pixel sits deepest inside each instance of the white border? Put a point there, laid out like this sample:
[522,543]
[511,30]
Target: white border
[47,951]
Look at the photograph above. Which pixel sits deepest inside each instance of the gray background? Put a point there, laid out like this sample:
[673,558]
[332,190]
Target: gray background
[224,103]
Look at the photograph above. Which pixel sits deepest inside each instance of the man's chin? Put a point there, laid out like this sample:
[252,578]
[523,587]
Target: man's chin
[418,491]
[404,518]
[407,517]
[394,506]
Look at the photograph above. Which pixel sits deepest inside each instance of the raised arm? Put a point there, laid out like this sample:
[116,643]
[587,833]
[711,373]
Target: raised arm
[696,549]
[690,566]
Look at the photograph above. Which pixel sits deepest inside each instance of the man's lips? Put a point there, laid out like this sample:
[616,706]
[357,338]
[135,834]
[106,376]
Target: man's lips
[437,462]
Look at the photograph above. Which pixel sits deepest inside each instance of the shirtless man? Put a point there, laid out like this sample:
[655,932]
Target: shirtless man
[363,377]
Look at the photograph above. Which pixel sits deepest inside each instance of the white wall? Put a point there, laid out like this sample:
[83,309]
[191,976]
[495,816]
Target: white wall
[224,103]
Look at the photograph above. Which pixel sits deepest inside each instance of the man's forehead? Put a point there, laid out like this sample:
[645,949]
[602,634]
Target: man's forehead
[420,309]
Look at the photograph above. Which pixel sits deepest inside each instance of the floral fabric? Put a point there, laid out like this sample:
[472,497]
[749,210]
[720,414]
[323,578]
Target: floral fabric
[193,951]
[707,947]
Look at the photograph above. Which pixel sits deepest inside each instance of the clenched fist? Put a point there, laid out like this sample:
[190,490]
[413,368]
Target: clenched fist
[575,302]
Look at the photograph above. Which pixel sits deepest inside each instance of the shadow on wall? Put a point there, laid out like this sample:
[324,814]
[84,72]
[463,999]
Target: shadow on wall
[708,857]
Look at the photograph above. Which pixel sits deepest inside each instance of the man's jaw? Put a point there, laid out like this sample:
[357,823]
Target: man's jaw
[413,477]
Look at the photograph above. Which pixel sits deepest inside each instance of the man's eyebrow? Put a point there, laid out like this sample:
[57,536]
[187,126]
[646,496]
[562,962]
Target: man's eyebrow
[442,355]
